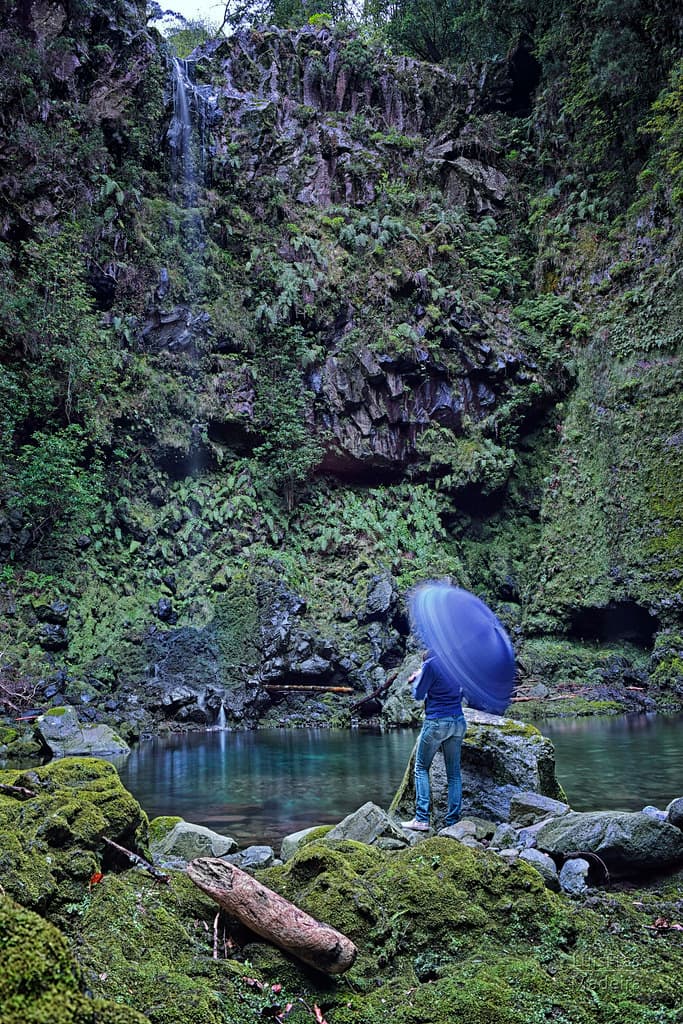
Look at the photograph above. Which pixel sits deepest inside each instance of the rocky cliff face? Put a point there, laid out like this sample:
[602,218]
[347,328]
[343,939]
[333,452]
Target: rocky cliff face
[334,324]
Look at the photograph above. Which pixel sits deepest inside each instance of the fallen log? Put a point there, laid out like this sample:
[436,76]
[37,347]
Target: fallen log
[272,916]
[283,688]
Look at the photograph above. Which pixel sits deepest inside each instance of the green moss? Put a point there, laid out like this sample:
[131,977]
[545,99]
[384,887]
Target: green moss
[50,844]
[161,826]
[236,621]
[40,983]
[150,946]
[576,706]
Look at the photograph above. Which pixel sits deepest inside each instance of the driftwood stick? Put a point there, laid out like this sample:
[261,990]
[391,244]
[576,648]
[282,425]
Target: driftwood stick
[139,861]
[215,935]
[560,696]
[272,916]
[20,792]
[375,693]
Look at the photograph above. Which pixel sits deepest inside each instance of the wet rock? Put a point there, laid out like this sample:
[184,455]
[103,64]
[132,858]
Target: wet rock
[315,666]
[399,708]
[61,731]
[654,812]
[366,825]
[292,842]
[475,827]
[252,858]
[381,598]
[53,637]
[573,876]
[56,612]
[186,841]
[164,610]
[504,837]
[545,866]
[674,812]
[528,808]
[170,582]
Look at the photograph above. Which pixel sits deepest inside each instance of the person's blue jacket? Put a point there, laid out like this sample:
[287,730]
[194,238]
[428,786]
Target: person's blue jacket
[442,699]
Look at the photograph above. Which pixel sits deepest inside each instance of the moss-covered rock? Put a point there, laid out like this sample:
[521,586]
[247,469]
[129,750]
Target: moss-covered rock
[40,982]
[151,947]
[64,735]
[500,758]
[51,843]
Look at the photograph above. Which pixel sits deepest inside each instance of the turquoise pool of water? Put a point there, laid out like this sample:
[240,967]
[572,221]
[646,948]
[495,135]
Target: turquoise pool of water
[258,786]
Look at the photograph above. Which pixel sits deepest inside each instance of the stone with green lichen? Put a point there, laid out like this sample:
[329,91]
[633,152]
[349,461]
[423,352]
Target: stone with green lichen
[160,826]
[40,982]
[185,841]
[51,843]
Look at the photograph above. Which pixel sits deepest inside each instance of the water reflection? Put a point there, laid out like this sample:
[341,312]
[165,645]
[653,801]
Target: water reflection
[258,786]
[622,763]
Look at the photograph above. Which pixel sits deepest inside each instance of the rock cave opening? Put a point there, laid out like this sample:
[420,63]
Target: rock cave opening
[623,621]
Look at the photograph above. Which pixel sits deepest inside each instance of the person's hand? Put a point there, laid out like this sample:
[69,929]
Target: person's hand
[411,679]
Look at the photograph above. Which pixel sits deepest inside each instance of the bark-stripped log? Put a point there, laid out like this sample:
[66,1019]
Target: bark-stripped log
[272,916]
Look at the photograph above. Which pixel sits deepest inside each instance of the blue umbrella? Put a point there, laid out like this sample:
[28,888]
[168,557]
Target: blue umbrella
[470,646]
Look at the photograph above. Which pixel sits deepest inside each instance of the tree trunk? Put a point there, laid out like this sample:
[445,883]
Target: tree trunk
[272,916]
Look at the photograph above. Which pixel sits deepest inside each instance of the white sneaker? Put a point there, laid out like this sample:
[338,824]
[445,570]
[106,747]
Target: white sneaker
[415,825]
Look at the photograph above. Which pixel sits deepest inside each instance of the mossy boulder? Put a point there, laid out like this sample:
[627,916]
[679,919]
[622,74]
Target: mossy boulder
[51,843]
[185,841]
[501,758]
[40,983]
[64,735]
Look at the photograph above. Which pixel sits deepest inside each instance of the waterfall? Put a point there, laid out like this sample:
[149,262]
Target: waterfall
[221,722]
[180,134]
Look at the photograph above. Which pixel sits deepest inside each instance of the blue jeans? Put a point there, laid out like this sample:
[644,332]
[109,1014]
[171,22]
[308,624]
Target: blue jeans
[447,733]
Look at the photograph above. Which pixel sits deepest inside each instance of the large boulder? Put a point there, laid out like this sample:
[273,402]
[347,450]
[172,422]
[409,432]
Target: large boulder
[65,736]
[52,830]
[501,759]
[629,843]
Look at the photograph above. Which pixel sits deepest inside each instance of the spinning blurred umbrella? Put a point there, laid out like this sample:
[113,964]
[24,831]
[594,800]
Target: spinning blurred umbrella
[471,648]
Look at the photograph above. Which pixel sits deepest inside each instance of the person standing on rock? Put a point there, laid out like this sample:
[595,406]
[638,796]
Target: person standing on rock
[444,727]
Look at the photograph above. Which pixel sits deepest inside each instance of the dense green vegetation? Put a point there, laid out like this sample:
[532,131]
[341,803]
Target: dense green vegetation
[402,302]
[409,320]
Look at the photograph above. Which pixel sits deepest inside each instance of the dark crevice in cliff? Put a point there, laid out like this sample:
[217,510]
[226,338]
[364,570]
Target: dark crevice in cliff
[623,621]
